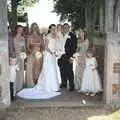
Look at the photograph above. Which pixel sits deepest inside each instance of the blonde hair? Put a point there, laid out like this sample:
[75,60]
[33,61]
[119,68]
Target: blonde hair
[37,28]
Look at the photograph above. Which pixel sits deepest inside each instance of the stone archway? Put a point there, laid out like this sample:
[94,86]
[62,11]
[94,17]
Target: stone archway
[4,61]
[111,45]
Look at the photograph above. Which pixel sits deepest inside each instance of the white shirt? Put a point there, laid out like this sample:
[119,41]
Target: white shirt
[13,70]
[60,44]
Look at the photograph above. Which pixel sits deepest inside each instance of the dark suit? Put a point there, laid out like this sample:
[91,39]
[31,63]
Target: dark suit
[66,68]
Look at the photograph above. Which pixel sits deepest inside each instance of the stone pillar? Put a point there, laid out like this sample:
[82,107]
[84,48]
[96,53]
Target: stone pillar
[94,17]
[88,18]
[119,22]
[4,69]
[112,68]
[109,15]
[101,16]
[116,15]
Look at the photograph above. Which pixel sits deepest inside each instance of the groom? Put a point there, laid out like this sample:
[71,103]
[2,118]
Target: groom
[64,63]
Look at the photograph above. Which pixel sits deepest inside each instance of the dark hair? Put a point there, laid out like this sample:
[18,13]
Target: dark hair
[16,28]
[85,34]
[66,24]
[90,50]
[50,26]
[59,25]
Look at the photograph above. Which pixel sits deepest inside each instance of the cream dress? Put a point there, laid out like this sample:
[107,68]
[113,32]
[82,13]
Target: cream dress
[33,69]
[19,45]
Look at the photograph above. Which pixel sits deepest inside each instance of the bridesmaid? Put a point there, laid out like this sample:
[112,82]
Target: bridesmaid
[19,47]
[82,48]
[35,46]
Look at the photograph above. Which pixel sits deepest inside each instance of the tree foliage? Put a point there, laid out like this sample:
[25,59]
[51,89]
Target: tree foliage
[15,7]
[27,2]
[72,10]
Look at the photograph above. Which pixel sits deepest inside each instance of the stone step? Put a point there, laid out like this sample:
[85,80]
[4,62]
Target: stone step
[54,113]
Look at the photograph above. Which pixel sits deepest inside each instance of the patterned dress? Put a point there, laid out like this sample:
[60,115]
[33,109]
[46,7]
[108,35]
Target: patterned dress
[79,62]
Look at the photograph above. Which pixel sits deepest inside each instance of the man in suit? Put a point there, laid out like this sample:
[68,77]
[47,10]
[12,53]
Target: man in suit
[64,63]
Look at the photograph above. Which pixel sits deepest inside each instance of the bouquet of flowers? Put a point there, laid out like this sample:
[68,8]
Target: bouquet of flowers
[91,66]
[76,55]
[23,55]
[38,55]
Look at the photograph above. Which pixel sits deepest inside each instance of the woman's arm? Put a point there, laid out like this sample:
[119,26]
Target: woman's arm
[29,49]
[86,44]
[46,47]
[42,45]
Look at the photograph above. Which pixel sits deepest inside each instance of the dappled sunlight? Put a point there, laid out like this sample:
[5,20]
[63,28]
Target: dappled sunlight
[101,117]
[113,116]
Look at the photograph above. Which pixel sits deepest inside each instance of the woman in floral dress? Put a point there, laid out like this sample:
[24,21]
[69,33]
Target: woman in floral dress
[82,47]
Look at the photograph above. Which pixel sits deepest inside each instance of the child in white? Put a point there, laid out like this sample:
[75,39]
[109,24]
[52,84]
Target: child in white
[91,81]
[13,68]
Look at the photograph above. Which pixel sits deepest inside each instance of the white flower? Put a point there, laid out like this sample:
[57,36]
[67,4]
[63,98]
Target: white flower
[17,68]
[38,55]
[68,37]
[76,54]
[23,55]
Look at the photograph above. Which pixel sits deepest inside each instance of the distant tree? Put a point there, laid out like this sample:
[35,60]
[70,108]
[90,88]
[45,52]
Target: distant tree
[13,11]
[72,10]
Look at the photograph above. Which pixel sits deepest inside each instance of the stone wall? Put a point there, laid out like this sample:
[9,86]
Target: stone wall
[112,56]
[99,51]
[4,81]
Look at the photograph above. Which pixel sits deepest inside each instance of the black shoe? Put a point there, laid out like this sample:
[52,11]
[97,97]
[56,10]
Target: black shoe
[71,89]
[63,86]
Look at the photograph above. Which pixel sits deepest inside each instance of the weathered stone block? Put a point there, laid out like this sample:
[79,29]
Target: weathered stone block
[0,91]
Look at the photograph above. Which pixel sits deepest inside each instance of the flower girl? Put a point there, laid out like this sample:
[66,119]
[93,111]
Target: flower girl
[91,82]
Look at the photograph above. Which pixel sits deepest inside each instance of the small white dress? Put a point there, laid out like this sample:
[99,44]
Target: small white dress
[48,84]
[91,81]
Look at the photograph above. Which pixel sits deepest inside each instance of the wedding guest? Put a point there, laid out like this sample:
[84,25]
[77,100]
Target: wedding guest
[64,62]
[35,46]
[19,47]
[82,47]
[91,83]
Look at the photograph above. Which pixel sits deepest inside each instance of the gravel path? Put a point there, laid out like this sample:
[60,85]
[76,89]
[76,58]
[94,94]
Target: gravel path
[82,113]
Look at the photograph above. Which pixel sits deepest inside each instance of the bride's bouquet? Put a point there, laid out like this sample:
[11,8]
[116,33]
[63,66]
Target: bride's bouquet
[58,52]
[38,55]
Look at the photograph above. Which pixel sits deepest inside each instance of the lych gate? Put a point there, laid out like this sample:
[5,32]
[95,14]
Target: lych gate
[105,41]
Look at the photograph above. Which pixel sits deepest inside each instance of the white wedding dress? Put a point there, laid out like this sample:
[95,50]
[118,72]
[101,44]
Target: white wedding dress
[48,84]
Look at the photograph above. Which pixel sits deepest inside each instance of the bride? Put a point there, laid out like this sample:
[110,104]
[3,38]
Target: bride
[48,84]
